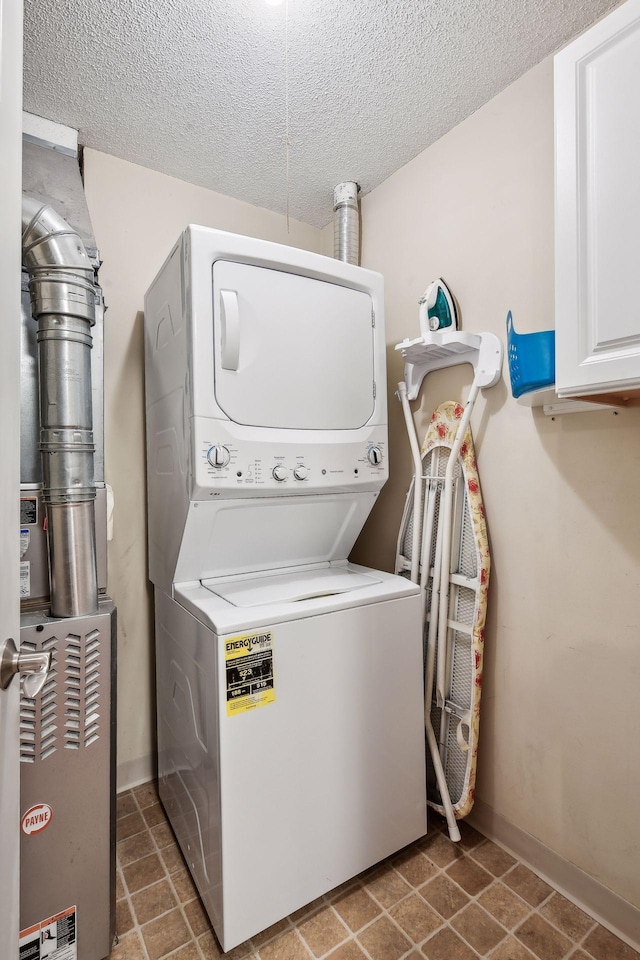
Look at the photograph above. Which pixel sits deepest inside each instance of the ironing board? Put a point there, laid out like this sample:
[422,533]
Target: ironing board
[453,697]
[443,546]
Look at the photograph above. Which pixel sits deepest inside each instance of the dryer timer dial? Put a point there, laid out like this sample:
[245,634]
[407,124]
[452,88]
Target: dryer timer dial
[375,456]
[218,455]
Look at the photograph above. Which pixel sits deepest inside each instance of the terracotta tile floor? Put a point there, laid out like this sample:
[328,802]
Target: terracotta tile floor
[433,900]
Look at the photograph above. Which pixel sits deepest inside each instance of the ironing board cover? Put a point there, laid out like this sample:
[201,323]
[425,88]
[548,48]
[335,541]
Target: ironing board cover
[442,432]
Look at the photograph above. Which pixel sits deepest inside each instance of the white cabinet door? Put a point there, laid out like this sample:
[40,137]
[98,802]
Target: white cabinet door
[597,80]
[10,178]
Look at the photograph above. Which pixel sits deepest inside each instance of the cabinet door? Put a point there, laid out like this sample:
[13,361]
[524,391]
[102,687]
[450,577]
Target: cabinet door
[597,79]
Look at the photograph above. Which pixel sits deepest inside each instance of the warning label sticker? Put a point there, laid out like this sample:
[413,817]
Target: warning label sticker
[25,537]
[28,510]
[25,579]
[53,939]
[249,669]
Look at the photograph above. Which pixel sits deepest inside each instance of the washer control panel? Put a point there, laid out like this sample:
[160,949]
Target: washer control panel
[227,466]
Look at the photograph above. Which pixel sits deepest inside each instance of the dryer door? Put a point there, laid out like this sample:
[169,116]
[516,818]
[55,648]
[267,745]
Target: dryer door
[291,351]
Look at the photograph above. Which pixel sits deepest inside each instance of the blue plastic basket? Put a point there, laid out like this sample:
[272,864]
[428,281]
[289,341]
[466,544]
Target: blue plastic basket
[532,359]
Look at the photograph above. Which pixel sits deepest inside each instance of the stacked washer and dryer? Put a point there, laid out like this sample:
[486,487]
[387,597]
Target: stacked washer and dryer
[290,690]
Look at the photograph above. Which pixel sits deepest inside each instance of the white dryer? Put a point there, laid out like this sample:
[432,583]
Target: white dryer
[290,691]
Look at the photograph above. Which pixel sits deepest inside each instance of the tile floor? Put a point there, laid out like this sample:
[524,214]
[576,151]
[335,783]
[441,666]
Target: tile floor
[434,900]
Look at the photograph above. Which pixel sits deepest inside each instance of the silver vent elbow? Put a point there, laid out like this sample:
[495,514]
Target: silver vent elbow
[63,304]
[346,222]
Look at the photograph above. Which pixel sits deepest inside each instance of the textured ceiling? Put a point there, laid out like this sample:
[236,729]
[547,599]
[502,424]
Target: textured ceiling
[196,88]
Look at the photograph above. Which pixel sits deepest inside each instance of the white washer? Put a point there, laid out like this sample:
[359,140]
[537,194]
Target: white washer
[290,688]
[277,805]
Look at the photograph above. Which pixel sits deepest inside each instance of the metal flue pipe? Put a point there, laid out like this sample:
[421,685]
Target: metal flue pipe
[346,223]
[63,300]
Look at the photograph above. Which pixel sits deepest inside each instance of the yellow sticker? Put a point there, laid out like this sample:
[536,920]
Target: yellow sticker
[249,667]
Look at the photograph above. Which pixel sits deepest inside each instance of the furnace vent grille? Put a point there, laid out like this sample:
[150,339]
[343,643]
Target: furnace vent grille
[38,717]
[72,691]
[67,711]
[49,704]
[91,687]
[28,714]
[83,683]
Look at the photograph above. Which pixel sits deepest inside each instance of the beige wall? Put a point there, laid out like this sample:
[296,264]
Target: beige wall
[137,216]
[561,703]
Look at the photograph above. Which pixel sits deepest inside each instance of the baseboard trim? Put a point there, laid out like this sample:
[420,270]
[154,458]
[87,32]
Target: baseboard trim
[131,773]
[612,911]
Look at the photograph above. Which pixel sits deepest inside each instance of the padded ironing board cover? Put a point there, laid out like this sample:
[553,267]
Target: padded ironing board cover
[469,606]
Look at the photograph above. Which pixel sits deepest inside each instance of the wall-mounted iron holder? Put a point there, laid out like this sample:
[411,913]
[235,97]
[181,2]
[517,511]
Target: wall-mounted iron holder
[433,351]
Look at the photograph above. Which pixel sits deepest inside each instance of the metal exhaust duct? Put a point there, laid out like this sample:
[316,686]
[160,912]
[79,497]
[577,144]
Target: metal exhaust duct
[346,223]
[63,303]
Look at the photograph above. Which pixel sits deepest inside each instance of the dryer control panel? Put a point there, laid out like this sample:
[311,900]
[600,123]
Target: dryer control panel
[226,465]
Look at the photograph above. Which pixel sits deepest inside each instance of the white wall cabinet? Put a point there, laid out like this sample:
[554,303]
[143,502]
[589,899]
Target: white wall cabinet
[597,117]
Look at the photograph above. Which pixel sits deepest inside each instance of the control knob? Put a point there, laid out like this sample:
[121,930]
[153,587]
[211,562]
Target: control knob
[375,456]
[218,455]
[300,472]
[279,473]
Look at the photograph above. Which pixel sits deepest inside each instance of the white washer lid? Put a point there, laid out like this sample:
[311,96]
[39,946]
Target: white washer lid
[289,588]
[223,617]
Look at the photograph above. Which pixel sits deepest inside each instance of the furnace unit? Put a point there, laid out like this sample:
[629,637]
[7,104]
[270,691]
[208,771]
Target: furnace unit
[67,735]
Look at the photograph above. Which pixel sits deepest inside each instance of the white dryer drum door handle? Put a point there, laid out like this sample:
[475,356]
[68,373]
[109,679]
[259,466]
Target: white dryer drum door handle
[229,329]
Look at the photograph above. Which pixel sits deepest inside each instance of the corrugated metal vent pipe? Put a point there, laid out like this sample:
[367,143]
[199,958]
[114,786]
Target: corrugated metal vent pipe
[63,303]
[346,222]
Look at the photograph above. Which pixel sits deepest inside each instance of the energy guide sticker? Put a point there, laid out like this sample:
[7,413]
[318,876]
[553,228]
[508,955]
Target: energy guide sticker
[249,671]
[52,939]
